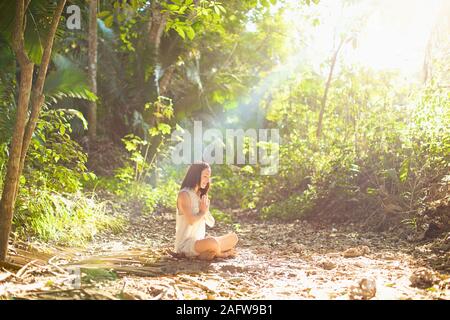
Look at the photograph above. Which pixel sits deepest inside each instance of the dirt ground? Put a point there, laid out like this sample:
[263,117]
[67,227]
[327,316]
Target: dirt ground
[274,261]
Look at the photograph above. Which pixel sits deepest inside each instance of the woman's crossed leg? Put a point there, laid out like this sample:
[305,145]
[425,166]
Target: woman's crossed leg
[220,247]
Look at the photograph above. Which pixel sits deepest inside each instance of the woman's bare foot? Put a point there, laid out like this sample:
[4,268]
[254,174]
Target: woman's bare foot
[227,254]
[210,255]
[207,255]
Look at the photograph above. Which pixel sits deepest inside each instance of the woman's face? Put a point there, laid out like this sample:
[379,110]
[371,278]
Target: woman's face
[206,178]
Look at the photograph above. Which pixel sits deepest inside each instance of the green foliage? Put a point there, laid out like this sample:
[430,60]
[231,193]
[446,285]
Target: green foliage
[69,219]
[234,187]
[7,115]
[92,275]
[55,161]
[162,197]
[150,199]
[7,91]
[206,13]
[308,2]
[67,81]
[295,206]
[221,216]
[38,20]
[379,152]
[139,148]
[50,205]
[134,145]
[372,158]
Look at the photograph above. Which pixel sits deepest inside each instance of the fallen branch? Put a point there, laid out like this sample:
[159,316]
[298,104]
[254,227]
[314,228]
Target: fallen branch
[50,263]
[198,284]
[22,270]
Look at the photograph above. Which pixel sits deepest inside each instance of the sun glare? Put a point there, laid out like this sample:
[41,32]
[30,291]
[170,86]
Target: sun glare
[391,34]
[397,34]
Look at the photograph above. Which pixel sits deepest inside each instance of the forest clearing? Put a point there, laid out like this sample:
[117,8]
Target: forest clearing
[225,150]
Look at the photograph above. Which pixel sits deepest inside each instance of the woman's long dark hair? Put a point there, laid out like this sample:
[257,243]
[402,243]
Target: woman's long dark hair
[193,177]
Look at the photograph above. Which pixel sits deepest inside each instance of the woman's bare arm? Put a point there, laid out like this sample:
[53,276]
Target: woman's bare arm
[185,207]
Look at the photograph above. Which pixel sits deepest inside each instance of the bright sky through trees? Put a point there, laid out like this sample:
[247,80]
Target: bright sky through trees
[391,34]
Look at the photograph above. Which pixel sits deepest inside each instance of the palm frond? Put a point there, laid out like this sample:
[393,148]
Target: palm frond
[67,81]
[38,19]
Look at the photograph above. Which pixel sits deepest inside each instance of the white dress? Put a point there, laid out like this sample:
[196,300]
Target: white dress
[187,234]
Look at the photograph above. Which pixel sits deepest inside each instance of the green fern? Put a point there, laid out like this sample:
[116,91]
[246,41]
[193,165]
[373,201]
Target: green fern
[67,81]
[37,26]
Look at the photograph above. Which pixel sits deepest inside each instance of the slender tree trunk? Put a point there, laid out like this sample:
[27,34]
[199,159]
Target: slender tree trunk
[12,172]
[156,26]
[11,183]
[23,130]
[37,97]
[327,87]
[92,110]
[155,31]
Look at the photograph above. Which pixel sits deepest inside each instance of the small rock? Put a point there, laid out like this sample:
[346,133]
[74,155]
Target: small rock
[298,248]
[356,252]
[365,289]
[327,265]
[389,256]
[423,278]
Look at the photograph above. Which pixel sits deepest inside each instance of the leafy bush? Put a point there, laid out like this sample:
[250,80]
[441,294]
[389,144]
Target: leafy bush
[235,187]
[55,161]
[295,206]
[221,216]
[379,155]
[151,199]
[69,219]
[50,205]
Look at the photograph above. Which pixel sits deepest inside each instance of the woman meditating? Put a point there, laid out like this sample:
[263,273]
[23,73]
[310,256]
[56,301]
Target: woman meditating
[192,215]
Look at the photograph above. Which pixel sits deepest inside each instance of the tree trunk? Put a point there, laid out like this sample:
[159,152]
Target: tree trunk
[13,172]
[23,130]
[37,98]
[327,87]
[156,26]
[92,110]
